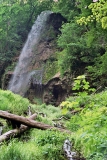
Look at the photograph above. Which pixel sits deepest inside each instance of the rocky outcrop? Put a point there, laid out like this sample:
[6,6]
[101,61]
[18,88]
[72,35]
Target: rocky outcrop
[53,92]
[57,89]
[47,46]
[54,88]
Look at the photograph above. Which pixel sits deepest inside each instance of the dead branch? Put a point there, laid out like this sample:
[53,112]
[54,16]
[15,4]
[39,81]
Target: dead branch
[15,132]
[96,90]
[76,111]
[58,119]
[29,122]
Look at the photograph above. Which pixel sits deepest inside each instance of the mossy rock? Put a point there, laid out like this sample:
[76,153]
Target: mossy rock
[51,68]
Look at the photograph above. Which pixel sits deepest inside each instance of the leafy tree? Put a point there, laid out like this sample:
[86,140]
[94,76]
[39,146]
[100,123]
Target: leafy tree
[78,49]
[95,21]
[98,13]
[84,39]
[68,9]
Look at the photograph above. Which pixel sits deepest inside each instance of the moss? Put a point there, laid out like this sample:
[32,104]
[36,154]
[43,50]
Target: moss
[3,79]
[51,69]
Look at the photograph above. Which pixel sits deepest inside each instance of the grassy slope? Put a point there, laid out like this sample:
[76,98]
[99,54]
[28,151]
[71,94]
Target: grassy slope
[88,129]
[90,125]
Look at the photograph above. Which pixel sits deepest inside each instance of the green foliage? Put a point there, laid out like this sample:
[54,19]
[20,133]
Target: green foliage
[104,63]
[18,151]
[95,21]
[16,19]
[51,68]
[73,47]
[81,85]
[98,14]
[66,106]
[88,125]
[68,9]
[49,111]
[36,144]
[50,142]
[13,103]
[82,48]
[83,42]
[91,133]
[78,48]
[99,11]
[46,145]
[80,45]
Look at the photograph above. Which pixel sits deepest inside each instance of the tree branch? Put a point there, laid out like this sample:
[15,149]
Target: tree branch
[29,122]
[15,132]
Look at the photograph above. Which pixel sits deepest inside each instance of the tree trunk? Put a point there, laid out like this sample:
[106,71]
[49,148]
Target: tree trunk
[15,132]
[29,122]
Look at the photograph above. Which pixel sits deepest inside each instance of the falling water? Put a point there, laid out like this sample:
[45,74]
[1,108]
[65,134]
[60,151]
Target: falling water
[23,74]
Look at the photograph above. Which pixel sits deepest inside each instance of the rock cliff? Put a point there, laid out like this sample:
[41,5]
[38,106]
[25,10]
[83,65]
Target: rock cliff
[53,89]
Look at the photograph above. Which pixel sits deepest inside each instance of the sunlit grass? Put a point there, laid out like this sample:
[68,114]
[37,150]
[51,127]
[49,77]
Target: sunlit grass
[88,127]
[12,102]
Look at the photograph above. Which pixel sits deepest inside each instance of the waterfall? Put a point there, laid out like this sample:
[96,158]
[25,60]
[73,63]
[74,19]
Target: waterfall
[23,72]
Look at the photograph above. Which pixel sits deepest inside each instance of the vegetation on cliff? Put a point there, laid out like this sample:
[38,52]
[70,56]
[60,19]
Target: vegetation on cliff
[82,42]
[16,19]
[82,49]
[83,39]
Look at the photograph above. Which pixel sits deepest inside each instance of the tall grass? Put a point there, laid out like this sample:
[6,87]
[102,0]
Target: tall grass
[35,144]
[13,102]
[43,145]
[89,126]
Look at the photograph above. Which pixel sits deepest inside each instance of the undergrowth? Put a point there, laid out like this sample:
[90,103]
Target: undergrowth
[35,144]
[13,102]
[44,145]
[87,125]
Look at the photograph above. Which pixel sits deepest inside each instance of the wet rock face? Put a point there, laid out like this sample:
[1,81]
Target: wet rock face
[53,91]
[47,47]
[56,20]
[56,90]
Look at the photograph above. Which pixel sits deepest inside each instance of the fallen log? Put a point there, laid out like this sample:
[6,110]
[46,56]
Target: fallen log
[29,122]
[15,132]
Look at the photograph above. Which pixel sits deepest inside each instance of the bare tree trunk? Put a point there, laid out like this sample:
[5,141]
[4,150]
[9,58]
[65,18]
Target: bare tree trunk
[29,122]
[15,132]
